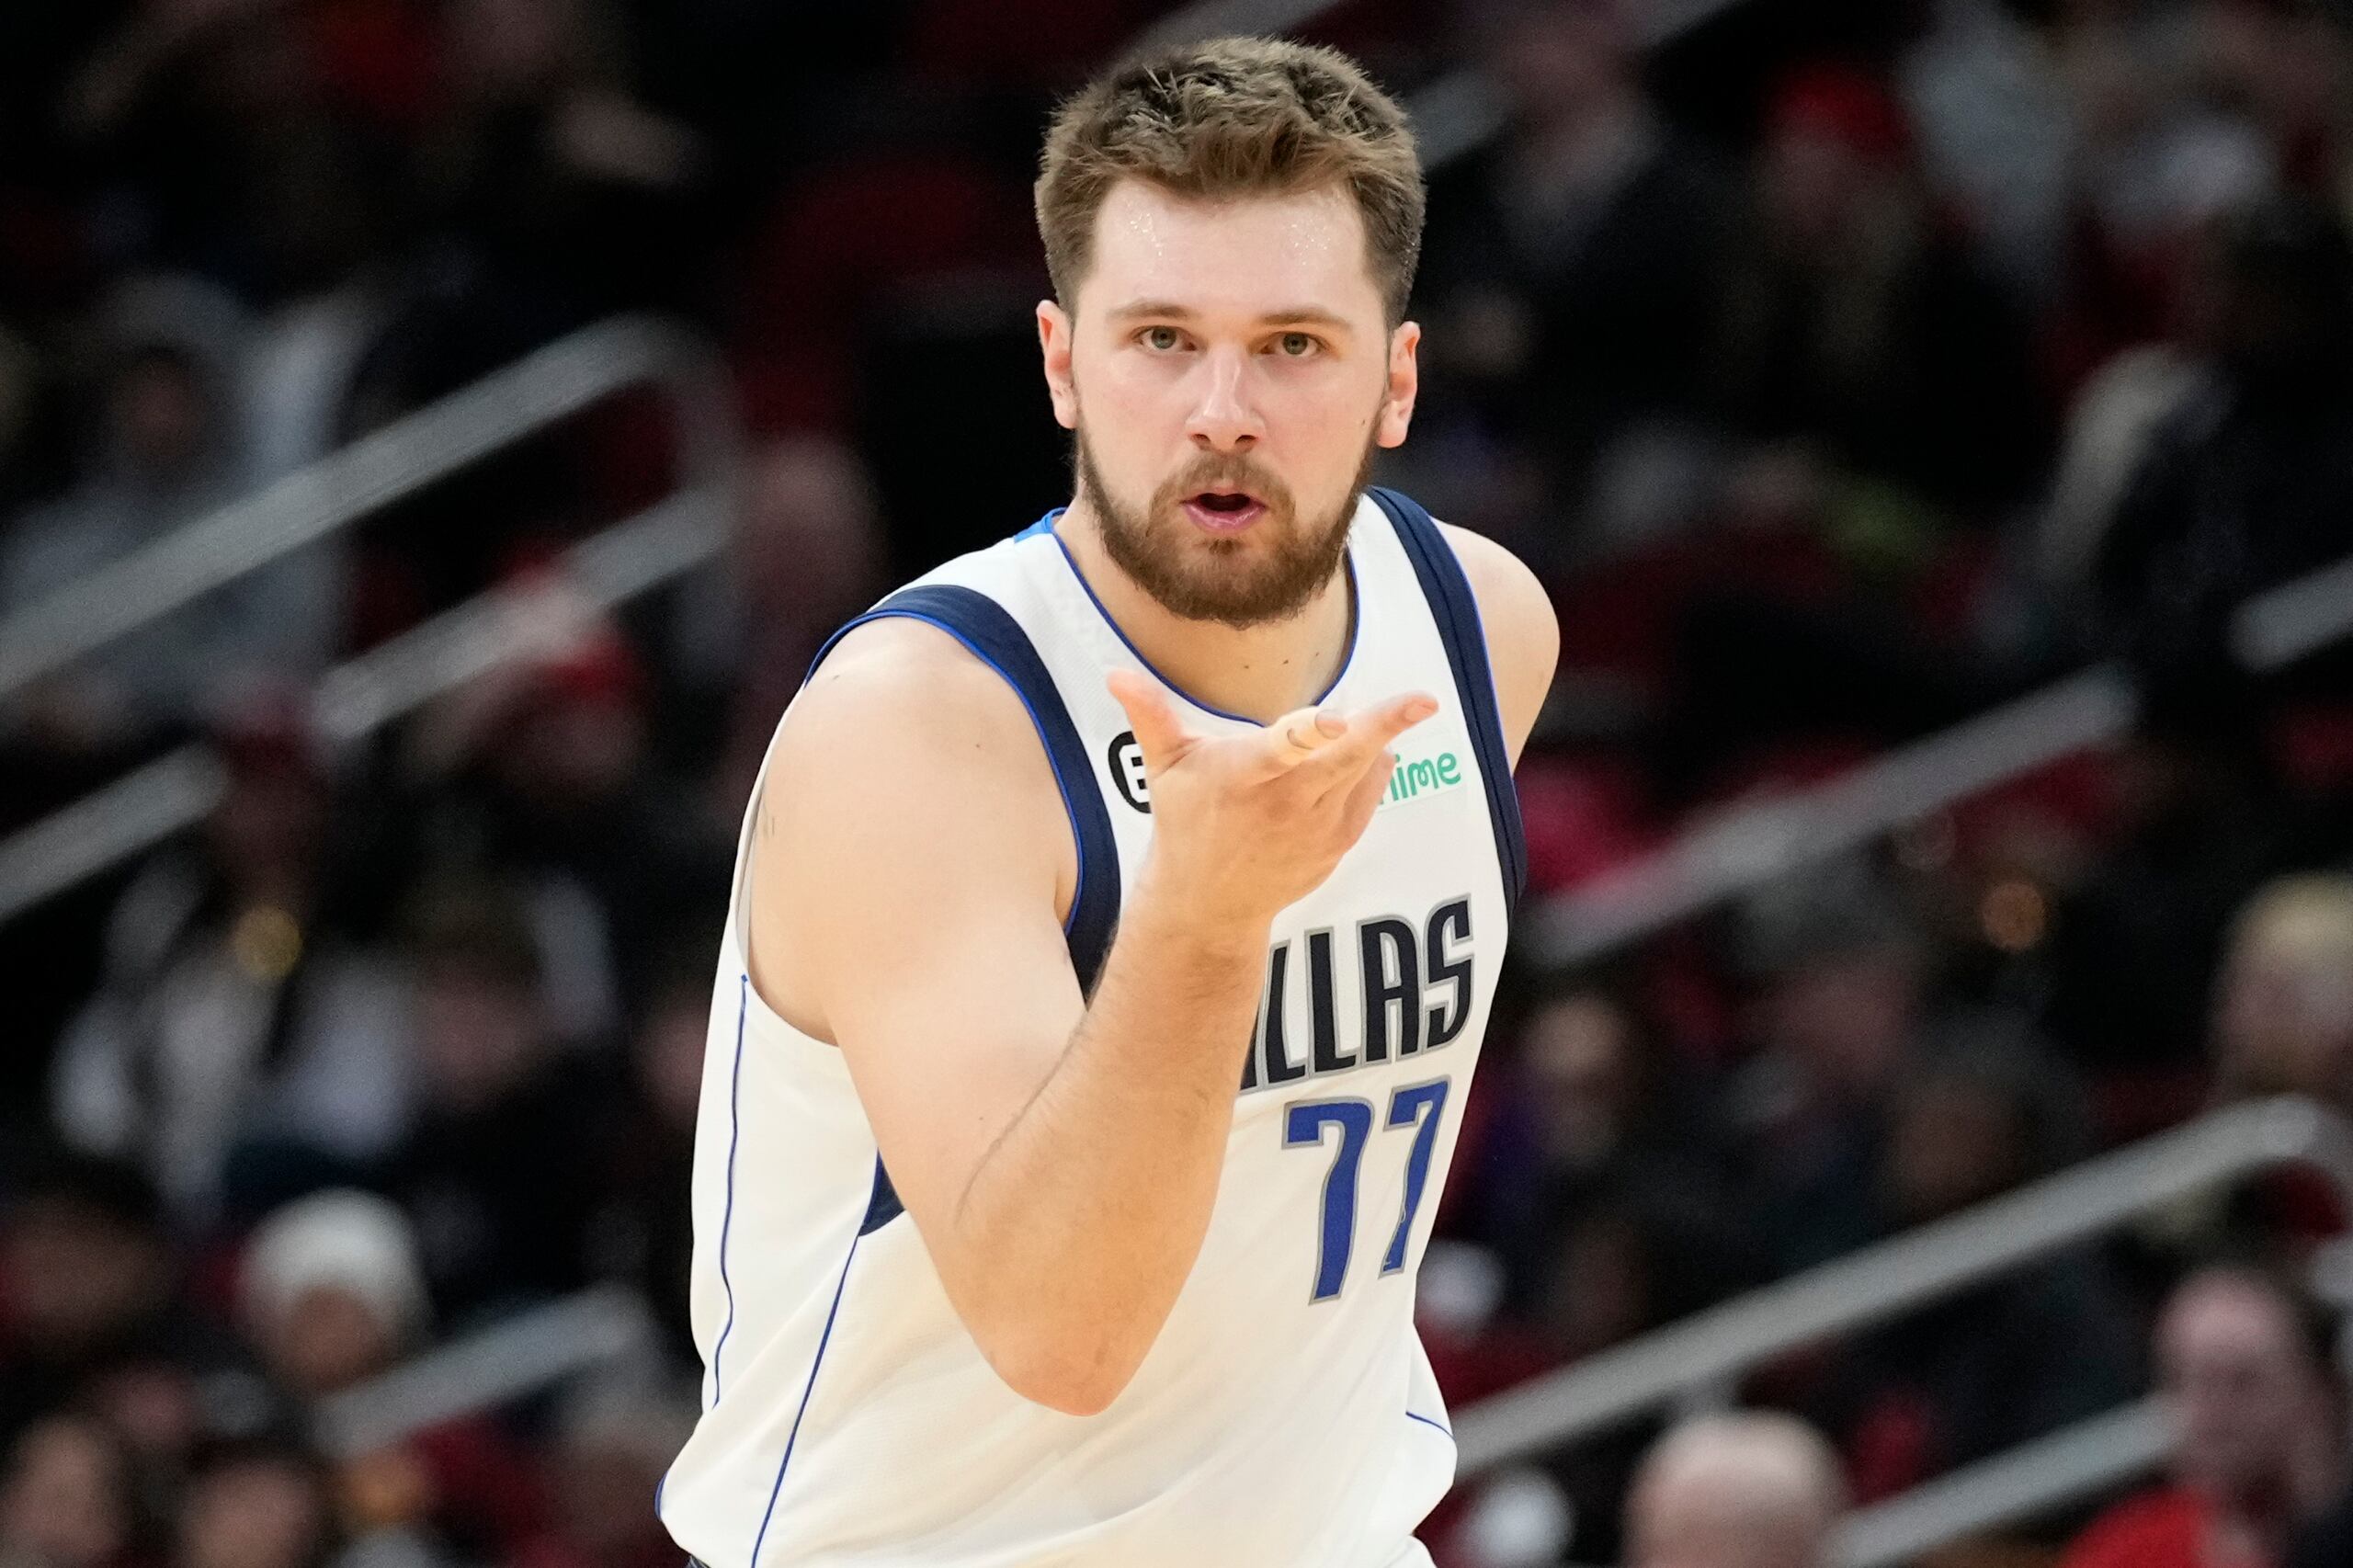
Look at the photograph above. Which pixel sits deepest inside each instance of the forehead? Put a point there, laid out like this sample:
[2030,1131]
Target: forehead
[2225,1320]
[1247,255]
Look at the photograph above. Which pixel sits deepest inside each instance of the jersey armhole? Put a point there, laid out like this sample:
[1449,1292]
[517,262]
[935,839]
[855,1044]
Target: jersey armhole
[1455,609]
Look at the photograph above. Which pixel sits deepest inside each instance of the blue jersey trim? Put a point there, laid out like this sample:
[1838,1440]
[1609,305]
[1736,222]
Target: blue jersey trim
[727,1215]
[1356,619]
[1456,610]
[807,1389]
[1044,524]
[882,1204]
[1433,1424]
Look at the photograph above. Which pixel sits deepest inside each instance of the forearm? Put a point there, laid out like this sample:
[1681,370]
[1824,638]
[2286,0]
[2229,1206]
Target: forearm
[1082,1222]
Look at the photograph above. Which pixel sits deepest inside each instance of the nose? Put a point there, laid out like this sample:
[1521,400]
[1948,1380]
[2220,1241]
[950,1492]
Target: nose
[1224,417]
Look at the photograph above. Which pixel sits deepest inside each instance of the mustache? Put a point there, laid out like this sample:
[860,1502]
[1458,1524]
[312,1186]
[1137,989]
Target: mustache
[1223,472]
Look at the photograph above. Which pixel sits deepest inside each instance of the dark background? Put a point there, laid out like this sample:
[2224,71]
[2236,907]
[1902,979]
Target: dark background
[1844,368]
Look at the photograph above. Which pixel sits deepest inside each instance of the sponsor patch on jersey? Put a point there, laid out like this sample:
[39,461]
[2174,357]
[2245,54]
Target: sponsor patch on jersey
[1126,760]
[1418,776]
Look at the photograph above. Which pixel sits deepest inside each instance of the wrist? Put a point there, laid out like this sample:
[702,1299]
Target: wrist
[1183,914]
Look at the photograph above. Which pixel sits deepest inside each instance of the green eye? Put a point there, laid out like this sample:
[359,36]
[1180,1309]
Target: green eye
[1297,345]
[1161,337]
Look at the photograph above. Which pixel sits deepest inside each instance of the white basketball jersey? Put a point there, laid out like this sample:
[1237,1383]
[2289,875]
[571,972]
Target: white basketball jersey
[1286,1415]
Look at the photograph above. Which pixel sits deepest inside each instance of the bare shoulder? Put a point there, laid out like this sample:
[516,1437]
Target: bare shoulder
[898,713]
[907,776]
[1523,632]
[900,680]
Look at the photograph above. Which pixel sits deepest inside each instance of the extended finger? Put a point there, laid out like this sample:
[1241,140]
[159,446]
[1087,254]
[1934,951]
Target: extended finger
[1302,733]
[1159,734]
[1371,733]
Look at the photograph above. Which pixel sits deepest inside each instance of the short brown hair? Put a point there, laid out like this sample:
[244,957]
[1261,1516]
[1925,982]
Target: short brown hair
[1234,116]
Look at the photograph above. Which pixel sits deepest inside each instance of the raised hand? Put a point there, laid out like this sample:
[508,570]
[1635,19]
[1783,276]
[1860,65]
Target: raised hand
[1243,825]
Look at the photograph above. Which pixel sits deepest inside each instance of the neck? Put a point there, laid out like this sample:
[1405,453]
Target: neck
[1260,672]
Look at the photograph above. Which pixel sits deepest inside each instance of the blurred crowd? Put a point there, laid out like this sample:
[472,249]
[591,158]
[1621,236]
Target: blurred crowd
[1845,366]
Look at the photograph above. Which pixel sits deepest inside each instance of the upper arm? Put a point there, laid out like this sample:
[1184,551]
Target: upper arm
[909,862]
[1523,634]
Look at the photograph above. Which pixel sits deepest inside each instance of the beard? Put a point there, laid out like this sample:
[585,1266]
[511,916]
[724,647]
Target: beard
[1266,575]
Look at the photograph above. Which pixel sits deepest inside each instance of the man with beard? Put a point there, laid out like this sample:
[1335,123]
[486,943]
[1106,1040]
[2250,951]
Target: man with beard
[1117,916]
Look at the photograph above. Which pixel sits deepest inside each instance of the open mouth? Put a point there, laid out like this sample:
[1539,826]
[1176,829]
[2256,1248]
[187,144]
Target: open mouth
[1224,511]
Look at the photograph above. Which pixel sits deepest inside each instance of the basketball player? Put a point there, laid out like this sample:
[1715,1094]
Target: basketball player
[1118,915]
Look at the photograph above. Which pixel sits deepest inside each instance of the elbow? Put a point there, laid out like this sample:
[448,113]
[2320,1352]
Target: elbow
[1073,1350]
[1071,1396]
[1075,1379]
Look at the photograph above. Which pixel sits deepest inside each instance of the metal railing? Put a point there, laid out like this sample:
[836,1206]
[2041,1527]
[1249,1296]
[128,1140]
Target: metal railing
[1694,1363]
[1715,861]
[151,803]
[502,1362]
[372,473]
[361,694]
[2069,1466]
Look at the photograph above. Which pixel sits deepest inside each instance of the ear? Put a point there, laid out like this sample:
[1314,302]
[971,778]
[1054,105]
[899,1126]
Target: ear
[1404,384]
[1054,330]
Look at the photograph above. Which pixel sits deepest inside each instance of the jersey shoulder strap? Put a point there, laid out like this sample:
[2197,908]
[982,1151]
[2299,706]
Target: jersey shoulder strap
[1456,613]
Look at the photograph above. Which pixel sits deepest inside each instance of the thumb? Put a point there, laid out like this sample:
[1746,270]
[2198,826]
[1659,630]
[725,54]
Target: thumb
[1159,733]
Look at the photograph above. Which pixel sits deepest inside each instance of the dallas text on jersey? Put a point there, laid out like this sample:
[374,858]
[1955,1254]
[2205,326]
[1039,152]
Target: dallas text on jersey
[1414,978]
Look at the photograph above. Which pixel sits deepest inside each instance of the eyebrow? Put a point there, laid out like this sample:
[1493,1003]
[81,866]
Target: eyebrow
[1294,316]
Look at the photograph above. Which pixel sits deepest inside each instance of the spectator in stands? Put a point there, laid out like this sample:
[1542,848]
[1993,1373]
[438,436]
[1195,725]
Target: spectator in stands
[68,1498]
[1591,1111]
[540,775]
[165,456]
[2202,824]
[239,1018]
[332,1291]
[1841,972]
[2258,1431]
[322,203]
[1744,1491]
[2010,1359]
[2249,482]
[91,1289]
[504,1169]
[1857,329]
[2283,1004]
[2164,141]
[544,163]
[1606,1258]
[1985,1109]
[256,1505]
[1569,277]
[1996,135]
[184,110]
